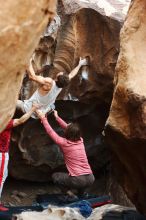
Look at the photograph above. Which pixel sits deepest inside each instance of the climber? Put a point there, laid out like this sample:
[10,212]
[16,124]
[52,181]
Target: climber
[79,175]
[4,147]
[48,89]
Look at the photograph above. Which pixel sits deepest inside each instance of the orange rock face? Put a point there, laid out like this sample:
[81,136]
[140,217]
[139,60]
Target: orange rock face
[21,24]
[126,125]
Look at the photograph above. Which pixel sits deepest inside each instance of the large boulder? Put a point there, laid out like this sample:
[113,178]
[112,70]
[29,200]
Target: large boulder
[126,125]
[21,24]
[88,33]
[110,8]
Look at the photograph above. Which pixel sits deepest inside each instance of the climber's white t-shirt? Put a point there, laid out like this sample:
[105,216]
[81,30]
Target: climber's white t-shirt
[46,102]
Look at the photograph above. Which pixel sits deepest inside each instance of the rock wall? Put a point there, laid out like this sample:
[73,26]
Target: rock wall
[110,8]
[88,33]
[21,24]
[126,125]
[92,88]
[36,155]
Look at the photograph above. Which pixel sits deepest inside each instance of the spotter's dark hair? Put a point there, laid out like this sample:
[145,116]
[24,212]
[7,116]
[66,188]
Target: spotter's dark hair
[72,132]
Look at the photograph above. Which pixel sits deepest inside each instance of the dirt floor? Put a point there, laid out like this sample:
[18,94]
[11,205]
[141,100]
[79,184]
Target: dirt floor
[16,193]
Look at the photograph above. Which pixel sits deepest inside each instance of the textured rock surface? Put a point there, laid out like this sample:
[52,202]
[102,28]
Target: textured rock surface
[126,125]
[85,33]
[44,52]
[113,9]
[21,24]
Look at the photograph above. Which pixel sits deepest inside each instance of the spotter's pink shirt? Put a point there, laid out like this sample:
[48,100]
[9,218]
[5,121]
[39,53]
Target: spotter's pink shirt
[74,152]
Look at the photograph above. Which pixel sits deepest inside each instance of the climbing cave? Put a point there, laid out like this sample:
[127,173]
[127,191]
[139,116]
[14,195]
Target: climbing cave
[106,98]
